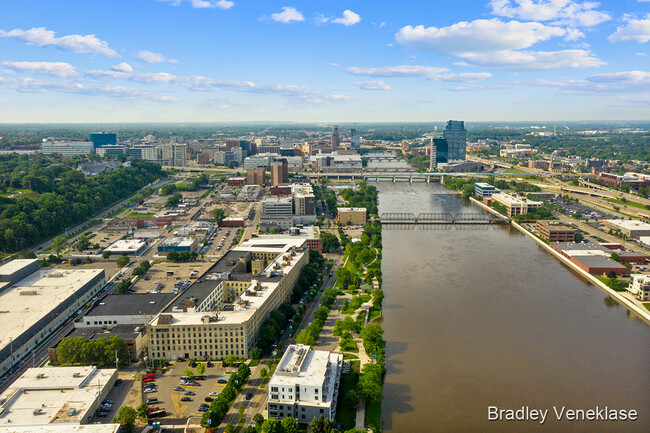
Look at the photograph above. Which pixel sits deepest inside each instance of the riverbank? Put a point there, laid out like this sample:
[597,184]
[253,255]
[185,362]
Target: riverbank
[641,312]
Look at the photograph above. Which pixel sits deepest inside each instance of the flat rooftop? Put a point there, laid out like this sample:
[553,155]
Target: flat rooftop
[32,298]
[127,245]
[15,265]
[123,331]
[135,304]
[630,224]
[53,391]
[351,209]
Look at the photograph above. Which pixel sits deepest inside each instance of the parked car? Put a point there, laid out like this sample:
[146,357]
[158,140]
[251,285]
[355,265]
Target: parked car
[213,393]
[179,388]
[186,399]
[208,399]
[249,396]
[190,393]
[149,390]
[153,400]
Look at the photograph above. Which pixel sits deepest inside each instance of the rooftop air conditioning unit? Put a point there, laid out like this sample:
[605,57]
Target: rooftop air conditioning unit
[76,374]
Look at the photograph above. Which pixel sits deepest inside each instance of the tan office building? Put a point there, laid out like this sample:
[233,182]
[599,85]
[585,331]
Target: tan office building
[352,215]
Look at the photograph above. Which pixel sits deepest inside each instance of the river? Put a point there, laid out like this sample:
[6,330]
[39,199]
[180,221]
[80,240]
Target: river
[479,316]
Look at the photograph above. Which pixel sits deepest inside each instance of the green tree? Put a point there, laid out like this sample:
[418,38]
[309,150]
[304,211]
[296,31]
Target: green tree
[229,428]
[271,425]
[200,369]
[218,214]
[240,410]
[321,425]
[58,244]
[352,399]
[615,256]
[83,243]
[258,418]
[370,382]
[106,254]
[142,410]
[579,237]
[123,260]
[175,199]
[126,419]
[188,372]
[290,425]
[263,372]
[230,360]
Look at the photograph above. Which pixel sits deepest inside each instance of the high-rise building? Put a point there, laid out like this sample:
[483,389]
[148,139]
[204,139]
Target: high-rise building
[355,139]
[335,138]
[103,139]
[279,172]
[442,150]
[174,154]
[255,177]
[433,164]
[456,136]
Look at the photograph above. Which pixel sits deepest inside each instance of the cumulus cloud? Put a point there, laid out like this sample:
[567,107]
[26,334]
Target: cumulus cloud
[151,57]
[122,67]
[372,85]
[476,36]
[31,85]
[564,12]
[58,69]
[637,30]
[40,36]
[349,18]
[497,44]
[203,4]
[289,14]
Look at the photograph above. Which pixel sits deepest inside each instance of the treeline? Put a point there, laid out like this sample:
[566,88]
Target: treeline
[61,196]
[365,196]
[220,405]
[100,352]
[309,335]
[291,425]
[182,256]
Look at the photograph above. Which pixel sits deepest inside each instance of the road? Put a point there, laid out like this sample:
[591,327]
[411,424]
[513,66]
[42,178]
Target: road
[257,404]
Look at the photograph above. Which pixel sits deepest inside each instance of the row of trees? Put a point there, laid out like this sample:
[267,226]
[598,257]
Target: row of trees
[291,425]
[61,196]
[220,405]
[182,256]
[309,335]
[100,352]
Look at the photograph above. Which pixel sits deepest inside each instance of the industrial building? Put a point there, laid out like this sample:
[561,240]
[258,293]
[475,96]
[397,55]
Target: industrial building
[305,384]
[630,228]
[351,215]
[483,189]
[222,312]
[555,231]
[516,205]
[131,309]
[177,244]
[65,396]
[34,306]
[591,258]
[130,247]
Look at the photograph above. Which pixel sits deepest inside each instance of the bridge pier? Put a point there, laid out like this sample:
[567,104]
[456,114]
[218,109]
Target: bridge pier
[410,179]
[394,179]
[428,180]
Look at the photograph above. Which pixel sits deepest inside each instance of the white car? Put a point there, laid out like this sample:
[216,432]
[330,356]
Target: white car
[149,390]
[213,394]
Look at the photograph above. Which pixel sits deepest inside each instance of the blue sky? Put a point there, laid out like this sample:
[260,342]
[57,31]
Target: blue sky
[238,60]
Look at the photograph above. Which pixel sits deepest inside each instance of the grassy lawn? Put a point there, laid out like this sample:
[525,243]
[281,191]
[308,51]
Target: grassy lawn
[347,356]
[646,305]
[374,313]
[138,215]
[627,203]
[268,376]
[515,171]
[345,414]
[373,416]
[240,425]
[254,363]
[350,346]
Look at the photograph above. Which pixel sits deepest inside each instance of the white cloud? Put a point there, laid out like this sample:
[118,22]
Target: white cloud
[142,77]
[31,85]
[372,85]
[130,93]
[41,37]
[58,69]
[535,60]
[498,44]
[289,14]
[151,57]
[349,18]
[122,67]
[476,36]
[430,73]
[398,71]
[565,12]
[633,30]
[204,4]
[633,82]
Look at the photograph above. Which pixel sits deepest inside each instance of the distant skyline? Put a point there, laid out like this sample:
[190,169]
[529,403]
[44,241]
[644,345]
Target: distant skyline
[338,61]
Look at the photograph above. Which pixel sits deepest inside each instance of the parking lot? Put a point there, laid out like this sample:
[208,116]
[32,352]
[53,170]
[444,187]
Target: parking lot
[125,392]
[167,274]
[171,399]
[570,207]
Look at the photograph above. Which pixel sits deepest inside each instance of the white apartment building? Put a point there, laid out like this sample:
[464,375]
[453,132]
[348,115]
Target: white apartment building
[640,287]
[305,384]
[516,205]
[174,154]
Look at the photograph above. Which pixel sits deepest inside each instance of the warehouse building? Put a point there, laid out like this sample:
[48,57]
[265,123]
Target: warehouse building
[630,228]
[36,305]
[591,258]
[131,309]
[178,244]
[130,247]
